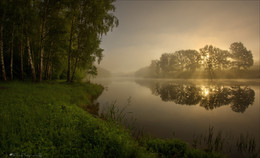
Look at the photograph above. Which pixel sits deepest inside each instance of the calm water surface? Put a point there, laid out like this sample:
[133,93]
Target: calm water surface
[187,108]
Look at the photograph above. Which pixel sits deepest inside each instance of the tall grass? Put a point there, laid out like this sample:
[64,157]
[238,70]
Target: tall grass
[212,141]
[246,145]
[112,112]
[120,115]
[158,147]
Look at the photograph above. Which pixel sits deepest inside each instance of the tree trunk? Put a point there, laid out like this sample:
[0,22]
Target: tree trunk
[2,50]
[77,59]
[21,53]
[30,59]
[51,70]
[74,71]
[69,53]
[41,61]
[21,58]
[47,65]
[12,54]
[43,30]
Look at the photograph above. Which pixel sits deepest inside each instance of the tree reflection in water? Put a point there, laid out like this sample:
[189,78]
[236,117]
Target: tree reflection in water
[242,97]
[217,96]
[209,97]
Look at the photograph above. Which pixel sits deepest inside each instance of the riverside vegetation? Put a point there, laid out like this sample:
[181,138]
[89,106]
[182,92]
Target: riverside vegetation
[45,120]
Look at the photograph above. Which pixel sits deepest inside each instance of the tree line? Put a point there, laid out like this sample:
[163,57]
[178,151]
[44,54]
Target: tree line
[46,39]
[208,58]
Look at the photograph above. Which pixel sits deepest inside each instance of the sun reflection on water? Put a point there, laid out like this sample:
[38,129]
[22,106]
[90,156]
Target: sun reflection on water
[204,91]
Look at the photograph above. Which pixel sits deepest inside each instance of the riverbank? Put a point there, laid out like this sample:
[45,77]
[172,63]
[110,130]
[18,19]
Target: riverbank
[46,120]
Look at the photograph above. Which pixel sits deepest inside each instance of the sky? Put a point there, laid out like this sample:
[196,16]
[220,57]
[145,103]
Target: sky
[150,28]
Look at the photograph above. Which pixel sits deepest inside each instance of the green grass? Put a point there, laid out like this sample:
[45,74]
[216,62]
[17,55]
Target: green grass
[45,119]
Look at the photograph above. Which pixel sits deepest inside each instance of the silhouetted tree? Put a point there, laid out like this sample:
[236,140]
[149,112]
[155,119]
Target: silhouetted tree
[242,57]
[222,62]
[214,58]
[183,60]
[186,60]
[165,62]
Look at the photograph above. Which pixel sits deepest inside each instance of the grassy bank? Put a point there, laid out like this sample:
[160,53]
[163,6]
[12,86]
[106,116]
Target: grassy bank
[45,120]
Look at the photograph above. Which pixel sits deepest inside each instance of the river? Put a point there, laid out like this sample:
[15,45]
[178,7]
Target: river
[188,109]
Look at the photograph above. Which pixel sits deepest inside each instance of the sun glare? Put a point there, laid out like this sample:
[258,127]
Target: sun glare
[205,91]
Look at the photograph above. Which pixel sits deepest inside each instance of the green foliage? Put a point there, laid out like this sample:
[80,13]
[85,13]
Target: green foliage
[61,35]
[44,119]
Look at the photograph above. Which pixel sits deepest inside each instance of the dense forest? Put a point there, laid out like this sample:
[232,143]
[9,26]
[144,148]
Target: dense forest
[45,39]
[208,62]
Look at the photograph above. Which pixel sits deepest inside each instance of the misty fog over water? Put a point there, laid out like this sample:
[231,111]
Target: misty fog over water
[187,108]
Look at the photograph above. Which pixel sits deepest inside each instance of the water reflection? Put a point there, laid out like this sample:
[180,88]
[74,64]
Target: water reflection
[242,98]
[208,96]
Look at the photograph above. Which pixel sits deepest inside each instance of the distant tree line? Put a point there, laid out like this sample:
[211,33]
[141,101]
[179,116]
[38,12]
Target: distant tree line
[208,58]
[52,39]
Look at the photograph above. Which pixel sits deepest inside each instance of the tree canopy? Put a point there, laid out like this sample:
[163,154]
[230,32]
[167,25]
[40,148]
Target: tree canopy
[243,58]
[209,58]
[59,39]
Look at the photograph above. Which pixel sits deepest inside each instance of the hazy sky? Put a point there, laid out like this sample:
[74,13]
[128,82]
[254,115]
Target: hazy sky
[150,28]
